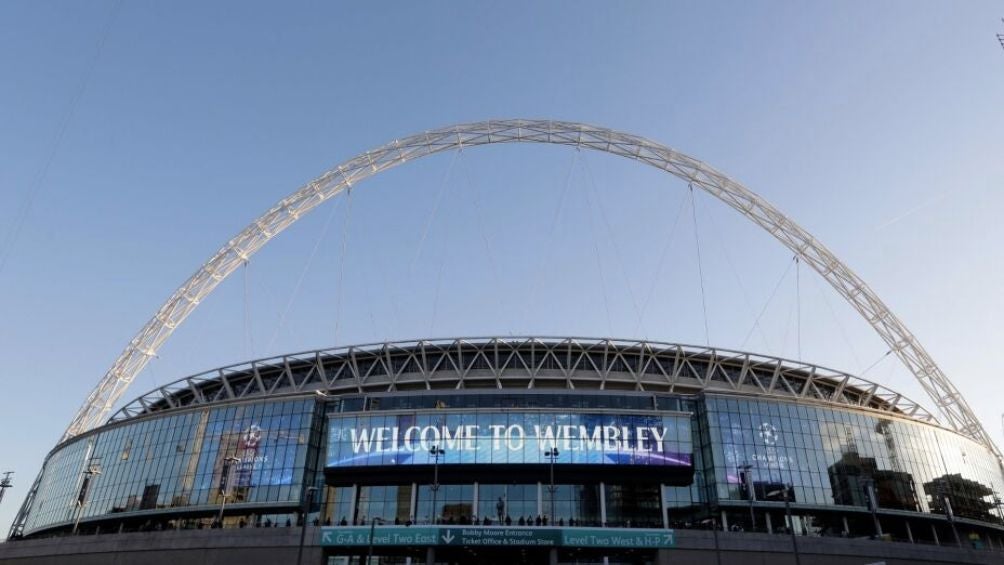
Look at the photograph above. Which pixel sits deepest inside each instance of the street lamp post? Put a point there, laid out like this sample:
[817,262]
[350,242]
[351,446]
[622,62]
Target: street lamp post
[746,475]
[951,519]
[369,552]
[714,520]
[552,454]
[225,485]
[872,501]
[92,471]
[786,493]
[308,496]
[436,452]
[997,504]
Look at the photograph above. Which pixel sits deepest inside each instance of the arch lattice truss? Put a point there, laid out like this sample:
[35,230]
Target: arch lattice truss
[953,407]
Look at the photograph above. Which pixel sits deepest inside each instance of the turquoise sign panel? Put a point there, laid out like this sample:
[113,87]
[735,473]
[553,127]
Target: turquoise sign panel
[348,536]
[382,535]
[618,537]
[502,536]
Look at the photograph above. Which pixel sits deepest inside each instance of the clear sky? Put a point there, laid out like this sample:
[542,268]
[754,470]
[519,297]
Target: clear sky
[137,137]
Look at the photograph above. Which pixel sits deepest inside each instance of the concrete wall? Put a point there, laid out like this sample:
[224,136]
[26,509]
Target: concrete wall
[698,547]
[255,546]
[196,547]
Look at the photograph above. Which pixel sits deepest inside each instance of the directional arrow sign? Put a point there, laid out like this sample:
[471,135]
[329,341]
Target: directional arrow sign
[448,538]
[618,537]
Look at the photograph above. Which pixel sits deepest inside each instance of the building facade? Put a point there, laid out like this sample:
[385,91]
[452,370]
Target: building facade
[524,432]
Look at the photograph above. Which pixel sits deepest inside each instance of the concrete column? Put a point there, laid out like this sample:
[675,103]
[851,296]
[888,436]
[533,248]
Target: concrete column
[430,556]
[603,506]
[414,497]
[935,532]
[847,527]
[770,527]
[909,532]
[725,522]
[662,505]
[540,499]
[552,556]
[353,504]
[474,503]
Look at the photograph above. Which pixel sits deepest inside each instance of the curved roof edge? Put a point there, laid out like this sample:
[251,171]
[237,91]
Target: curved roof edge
[524,362]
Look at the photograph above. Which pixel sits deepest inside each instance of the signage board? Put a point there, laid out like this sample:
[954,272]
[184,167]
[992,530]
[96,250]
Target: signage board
[375,439]
[388,536]
[618,537]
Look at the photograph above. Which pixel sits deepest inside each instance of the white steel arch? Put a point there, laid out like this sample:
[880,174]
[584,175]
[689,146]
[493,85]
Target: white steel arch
[953,407]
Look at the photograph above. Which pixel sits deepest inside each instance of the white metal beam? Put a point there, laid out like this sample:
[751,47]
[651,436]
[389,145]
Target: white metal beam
[151,337]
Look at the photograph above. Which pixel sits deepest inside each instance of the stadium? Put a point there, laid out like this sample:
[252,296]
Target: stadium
[518,449]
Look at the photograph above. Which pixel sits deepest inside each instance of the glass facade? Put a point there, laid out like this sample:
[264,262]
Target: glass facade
[740,449]
[834,457]
[257,451]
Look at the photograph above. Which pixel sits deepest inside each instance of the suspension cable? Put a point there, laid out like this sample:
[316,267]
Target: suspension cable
[446,189]
[700,269]
[840,327]
[599,262]
[767,303]
[613,243]
[798,309]
[877,361]
[11,237]
[663,255]
[739,280]
[303,273]
[435,296]
[248,334]
[480,219]
[341,262]
[788,323]
[443,184]
[549,246]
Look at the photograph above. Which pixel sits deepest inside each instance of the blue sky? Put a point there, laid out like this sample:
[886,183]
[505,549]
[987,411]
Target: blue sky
[143,148]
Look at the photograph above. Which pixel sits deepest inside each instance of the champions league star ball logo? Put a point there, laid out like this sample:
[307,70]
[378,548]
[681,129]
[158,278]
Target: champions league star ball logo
[768,433]
[252,436]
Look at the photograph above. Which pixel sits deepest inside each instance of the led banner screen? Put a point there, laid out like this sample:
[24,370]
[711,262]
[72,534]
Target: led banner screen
[509,438]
